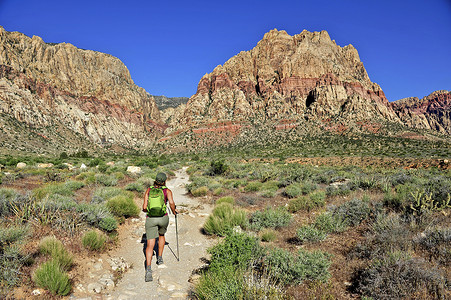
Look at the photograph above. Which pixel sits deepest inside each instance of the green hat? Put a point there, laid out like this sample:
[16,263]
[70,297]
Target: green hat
[161,178]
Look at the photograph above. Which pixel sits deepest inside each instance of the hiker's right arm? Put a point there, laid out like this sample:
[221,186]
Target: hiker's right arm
[171,202]
[146,198]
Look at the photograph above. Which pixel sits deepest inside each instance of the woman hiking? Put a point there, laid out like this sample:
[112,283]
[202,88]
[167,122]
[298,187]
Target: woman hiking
[155,203]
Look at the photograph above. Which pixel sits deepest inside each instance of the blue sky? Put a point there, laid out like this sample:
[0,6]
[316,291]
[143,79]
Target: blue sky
[169,45]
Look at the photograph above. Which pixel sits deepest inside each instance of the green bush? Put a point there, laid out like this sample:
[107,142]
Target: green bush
[287,268]
[353,212]
[436,241]
[108,224]
[224,218]
[105,193]
[123,206]
[199,192]
[329,223]
[293,190]
[8,199]
[228,199]
[309,202]
[270,218]
[11,262]
[225,283]
[268,235]
[51,246]
[218,167]
[218,191]
[237,250]
[135,186]
[253,186]
[310,233]
[12,234]
[106,180]
[50,276]
[94,240]
[397,277]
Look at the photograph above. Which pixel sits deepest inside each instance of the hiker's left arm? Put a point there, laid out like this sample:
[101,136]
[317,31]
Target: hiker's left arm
[146,197]
[171,202]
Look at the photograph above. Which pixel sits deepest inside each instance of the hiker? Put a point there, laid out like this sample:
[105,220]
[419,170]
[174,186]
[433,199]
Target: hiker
[157,220]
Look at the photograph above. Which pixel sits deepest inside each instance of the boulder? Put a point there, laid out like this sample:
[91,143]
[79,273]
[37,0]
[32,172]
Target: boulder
[134,169]
[21,165]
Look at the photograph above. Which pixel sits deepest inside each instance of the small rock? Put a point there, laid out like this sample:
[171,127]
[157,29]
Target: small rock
[45,166]
[134,169]
[95,287]
[83,167]
[191,215]
[98,266]
[36,292]
[80,288]
[188,244]
[107,282]
[163,266]
[110,163]
[21,165]
[194,279]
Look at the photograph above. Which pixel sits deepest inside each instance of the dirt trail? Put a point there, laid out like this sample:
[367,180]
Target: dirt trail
[170,281]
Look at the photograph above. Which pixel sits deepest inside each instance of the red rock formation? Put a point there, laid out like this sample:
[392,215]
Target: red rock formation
[289,77]
[431,112]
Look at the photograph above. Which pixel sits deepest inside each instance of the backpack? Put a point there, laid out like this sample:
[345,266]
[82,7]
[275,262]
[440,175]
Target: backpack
[156,205]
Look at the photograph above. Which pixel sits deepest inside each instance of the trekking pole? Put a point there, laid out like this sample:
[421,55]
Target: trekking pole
[177,237]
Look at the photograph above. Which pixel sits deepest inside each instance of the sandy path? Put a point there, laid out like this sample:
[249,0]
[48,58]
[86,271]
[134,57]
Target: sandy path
[170,281]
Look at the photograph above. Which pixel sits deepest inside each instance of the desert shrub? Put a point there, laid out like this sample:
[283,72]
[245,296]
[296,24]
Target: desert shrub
[309,233]
[12,234]
[105,193]
[399,199]
[7,200]
[272,185]
[51,189]
[268,193]
[74,185]
[199,192]
[145,181]
[247,200]
[118,175]
[388,233]
[439,188]
[106,180]
[238,250]
[270,218]
[227,199]
[218,191]
[353,212]
[312,201]
[51,246]
[233,183]
[287,268]
[87,177]
[11,262]
[93,240]
[329,223]
[107,224]
[50,276]
[123,206]
[97,215]
[214,185]
[135,186]
[218,167]
[268,235]
[397,277]
[253,186]
[225,283]
[58,202]
[197,182]
[293,190]
[338,190]
[437,242]
[224,218]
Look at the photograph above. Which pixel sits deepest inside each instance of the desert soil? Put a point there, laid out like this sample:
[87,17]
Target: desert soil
[173,280]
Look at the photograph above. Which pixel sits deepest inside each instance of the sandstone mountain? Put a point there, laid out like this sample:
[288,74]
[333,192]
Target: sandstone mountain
[289,77]
[431,112]
[54,88]
[164,102]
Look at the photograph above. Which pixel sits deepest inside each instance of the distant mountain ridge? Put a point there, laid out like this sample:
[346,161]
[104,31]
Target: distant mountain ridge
[56,97]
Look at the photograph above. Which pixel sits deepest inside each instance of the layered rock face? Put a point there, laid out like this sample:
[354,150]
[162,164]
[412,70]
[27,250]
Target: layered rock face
[87,92]
[431,112]
[289,77]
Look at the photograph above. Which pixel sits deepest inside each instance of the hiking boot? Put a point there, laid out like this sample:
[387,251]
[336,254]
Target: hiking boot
[148,274]
[160,260]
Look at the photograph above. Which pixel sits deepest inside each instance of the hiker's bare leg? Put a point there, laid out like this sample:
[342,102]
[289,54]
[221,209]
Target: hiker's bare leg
[161,242]
[149,251]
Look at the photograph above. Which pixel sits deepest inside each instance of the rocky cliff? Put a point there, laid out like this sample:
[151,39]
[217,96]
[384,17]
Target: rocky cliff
[431,112]
[86,92]
[289,77]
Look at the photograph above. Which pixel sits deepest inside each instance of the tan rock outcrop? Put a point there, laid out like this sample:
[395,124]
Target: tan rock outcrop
[87,92]
[306,75]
